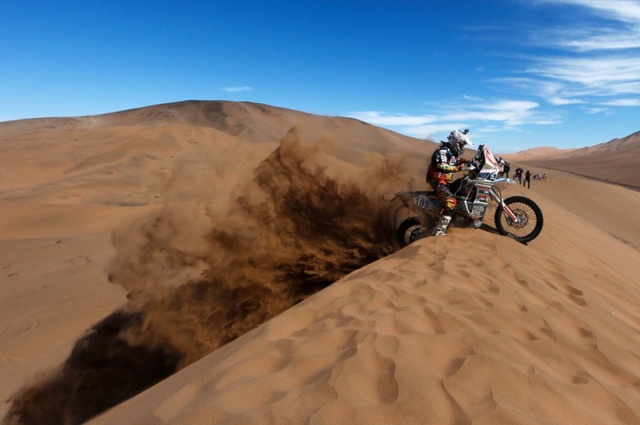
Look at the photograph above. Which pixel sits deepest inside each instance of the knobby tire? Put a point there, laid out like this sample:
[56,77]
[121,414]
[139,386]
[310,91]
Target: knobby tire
[528,211]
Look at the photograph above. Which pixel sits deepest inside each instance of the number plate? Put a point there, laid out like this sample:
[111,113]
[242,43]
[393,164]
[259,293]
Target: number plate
[478,210]
[422,201]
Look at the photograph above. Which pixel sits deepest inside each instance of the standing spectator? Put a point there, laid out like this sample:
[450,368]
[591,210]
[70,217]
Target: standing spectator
[501,163]
[518,175]
[506,169]
[527,179]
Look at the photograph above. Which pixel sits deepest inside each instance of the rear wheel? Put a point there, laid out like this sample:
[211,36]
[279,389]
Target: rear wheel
[529,223]
[410,231]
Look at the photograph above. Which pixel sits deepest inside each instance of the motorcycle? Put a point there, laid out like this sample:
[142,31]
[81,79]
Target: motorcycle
[517,216]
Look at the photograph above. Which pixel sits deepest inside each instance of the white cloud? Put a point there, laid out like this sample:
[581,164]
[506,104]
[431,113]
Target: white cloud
[564,81]
[478,114]
[602,72]
[623,10]
[593,111]
[555,93]
[562,101]
[587,61]
[510,113]
[382,118]
[622,102]
[615,25]
[432,132]
[604,64]
[606,41]
[595,66]
[472,98]
[237,89]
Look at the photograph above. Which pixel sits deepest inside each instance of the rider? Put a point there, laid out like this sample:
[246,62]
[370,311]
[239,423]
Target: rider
[444,162]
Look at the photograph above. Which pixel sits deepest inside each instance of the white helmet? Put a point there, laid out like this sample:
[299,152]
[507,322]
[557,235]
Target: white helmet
[458,140]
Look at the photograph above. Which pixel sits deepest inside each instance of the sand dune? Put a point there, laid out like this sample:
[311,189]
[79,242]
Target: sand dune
[241,254]
[614,161]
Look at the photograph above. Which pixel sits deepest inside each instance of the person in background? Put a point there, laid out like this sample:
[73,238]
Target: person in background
[506,169]
[445,161]
[501,163]
[518,175]
[527,179]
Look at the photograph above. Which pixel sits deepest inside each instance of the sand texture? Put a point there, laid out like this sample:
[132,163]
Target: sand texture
[235,263]
[615,161]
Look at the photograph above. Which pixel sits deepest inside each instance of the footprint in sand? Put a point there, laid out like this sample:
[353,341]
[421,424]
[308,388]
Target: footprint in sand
[78,261]
[461,269]
[5,267]
[548,331]
[581,379]
[369,376]
[530,336]
[522,281]
[576,295]
[586,333]
[454,366]
[17,328]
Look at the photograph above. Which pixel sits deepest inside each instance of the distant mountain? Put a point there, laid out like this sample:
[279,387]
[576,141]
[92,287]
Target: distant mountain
[616,161]
[254,122]
[121,147]
[541,152]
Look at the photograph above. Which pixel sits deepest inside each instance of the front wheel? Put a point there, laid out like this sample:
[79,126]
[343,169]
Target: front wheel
[530,220]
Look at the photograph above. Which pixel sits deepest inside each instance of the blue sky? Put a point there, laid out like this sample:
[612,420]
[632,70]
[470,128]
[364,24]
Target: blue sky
[518,73]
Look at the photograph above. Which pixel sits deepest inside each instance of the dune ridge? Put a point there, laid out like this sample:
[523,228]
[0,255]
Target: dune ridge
[234,217]
[407,344]
[614,161]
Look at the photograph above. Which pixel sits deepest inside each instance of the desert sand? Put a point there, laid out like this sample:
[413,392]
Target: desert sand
[233,263]
[615,161]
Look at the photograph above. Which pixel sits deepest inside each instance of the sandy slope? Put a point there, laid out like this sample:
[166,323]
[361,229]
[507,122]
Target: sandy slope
[472,327]
[444,333]
[212,227]
[68,183]
[614,161]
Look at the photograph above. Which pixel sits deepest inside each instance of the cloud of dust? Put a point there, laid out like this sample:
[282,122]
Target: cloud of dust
[200,274]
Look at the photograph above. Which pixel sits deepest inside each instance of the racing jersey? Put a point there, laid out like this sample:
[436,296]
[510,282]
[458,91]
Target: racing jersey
[443,164]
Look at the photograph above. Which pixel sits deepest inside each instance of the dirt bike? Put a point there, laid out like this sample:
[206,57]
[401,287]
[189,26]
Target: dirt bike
[517,216]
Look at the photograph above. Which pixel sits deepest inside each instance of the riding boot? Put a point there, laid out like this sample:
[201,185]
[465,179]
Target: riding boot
[441,226]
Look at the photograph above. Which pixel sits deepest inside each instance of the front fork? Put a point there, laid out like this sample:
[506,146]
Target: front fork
[496,197]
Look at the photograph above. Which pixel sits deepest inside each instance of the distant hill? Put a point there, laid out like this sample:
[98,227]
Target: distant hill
[616,161]
[541,152]
[251,121]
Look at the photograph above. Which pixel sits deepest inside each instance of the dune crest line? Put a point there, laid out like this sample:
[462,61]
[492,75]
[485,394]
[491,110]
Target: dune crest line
[290,232]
